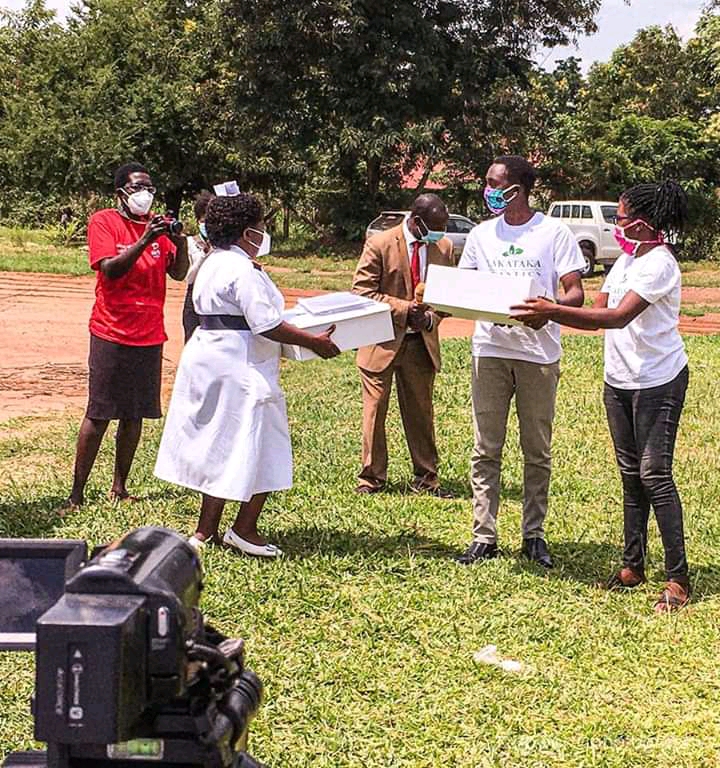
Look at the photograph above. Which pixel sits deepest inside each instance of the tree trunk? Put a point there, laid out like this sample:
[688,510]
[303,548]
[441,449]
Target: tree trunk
[423,180]
[309,222]
[173,199]
[373,179]
[463,198]
[286,222]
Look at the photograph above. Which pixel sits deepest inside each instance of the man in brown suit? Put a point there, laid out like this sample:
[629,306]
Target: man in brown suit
[392,264]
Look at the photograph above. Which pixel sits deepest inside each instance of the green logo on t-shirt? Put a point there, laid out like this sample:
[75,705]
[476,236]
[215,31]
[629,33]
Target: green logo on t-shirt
[512,251]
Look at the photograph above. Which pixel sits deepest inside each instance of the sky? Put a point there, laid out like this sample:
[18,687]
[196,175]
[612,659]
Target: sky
[617,23]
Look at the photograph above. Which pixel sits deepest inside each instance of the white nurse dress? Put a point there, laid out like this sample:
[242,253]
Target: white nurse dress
[226,432]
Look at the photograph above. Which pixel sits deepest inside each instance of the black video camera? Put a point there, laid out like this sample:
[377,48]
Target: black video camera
[172,224]
[127,673]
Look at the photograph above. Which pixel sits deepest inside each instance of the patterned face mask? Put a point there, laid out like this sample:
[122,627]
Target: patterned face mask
[495,198]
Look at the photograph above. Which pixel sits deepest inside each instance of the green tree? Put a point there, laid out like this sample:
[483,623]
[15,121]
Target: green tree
[115,84]
[361,85]
[653,75]
[649,113]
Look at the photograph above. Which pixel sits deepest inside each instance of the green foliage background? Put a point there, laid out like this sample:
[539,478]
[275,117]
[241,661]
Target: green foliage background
[324,106]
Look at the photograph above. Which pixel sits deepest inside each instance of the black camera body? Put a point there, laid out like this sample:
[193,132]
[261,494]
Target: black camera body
[127,672]
[172,224]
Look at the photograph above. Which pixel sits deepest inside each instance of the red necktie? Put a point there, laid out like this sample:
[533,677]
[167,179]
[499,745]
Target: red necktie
[415,264]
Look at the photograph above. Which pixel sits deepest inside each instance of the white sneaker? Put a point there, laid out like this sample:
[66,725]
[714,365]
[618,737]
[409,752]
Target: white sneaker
[231,539]
[197,544]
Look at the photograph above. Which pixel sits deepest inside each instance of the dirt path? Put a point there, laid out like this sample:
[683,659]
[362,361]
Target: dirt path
[43,326]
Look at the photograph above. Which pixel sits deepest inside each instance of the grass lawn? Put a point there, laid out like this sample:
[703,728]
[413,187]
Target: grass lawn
[31,251]
[364,634]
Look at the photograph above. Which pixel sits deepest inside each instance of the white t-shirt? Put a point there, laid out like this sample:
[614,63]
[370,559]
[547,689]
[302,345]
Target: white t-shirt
[196,257]
[648,351]
[543,248]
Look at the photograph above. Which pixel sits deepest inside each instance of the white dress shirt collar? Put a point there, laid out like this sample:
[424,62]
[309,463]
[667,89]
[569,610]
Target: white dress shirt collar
[409,237]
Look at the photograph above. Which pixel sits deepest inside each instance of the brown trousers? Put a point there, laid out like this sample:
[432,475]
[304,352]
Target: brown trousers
[415,377]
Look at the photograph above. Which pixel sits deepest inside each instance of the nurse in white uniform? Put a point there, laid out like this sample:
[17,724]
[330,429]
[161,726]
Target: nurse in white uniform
[226,433]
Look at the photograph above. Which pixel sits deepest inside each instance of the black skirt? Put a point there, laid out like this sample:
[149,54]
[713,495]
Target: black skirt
[124,381]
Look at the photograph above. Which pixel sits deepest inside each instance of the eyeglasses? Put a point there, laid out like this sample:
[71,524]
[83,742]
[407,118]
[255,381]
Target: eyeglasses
[140,188]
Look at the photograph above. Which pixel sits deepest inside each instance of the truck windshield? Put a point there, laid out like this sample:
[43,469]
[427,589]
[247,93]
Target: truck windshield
[608,213]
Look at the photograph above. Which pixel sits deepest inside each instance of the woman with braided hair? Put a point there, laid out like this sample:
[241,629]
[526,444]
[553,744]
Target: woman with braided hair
[646,375]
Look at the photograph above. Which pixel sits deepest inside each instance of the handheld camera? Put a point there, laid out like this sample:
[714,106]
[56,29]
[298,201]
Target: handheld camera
[128,675]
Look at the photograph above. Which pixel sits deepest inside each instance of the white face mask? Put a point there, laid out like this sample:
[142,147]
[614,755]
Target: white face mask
[264,248]
[139,203]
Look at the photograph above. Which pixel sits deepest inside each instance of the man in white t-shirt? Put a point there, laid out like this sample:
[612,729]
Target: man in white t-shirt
[514,360]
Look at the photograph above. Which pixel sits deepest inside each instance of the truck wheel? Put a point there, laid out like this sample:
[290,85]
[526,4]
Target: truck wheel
[588,253]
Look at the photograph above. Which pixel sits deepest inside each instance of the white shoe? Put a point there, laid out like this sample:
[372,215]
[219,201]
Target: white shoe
[197,544]
[231,539]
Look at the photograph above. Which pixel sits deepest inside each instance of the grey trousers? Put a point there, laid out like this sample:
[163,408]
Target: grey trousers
[494,382]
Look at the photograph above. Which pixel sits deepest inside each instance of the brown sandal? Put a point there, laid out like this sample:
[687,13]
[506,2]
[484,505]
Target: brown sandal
[674,597]
[626,578]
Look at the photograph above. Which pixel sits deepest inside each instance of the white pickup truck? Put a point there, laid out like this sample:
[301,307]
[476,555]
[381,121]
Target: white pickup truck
[592,222]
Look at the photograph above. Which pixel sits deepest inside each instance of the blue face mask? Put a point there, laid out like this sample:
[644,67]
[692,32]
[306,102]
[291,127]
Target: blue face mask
[203,231]
[495,198]
[431,235]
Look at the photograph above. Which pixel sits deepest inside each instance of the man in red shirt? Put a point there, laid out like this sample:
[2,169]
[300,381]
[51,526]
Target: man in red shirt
[131,251]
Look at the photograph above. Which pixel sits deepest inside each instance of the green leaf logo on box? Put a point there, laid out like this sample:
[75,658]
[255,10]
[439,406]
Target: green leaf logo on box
[513,251]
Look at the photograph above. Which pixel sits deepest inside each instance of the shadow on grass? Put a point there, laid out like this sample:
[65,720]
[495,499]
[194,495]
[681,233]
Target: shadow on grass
[592,563]
[459,487]
[307,542]
[34,519]
[705,581]
[588,562]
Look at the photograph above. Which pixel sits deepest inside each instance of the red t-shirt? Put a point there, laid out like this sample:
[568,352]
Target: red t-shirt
[129,309]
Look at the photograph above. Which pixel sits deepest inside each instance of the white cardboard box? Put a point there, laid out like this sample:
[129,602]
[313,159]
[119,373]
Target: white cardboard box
[478,295]
[369,324]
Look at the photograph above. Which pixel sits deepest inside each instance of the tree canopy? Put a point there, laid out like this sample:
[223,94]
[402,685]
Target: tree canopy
[326,104]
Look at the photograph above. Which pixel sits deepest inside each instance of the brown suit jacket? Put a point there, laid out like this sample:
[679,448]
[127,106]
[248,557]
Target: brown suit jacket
[383,274]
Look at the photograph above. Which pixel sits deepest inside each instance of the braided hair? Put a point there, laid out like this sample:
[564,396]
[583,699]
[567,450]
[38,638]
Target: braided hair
[228,217]
[664,206]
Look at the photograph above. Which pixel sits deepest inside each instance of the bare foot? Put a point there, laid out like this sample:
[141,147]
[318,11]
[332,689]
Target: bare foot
[66,507]
[119,497]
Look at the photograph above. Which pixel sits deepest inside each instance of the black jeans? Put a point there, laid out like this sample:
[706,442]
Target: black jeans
[643,424]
